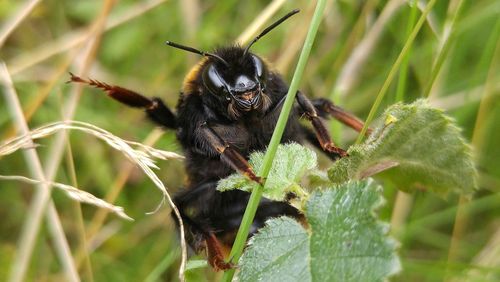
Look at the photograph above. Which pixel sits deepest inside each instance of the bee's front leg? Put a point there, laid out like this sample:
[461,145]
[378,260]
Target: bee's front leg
[228,154]
[154,107]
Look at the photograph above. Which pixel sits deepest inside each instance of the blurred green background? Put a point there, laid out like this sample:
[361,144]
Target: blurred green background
[356,46]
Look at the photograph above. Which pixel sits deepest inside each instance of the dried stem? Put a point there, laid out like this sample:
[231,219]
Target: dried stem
[259,21]
[350,73]
[11,24]
[74,39]
[400,212]
[100,216]
[74,193]
[43,93]
[43,197]
[292,44]
[39,202]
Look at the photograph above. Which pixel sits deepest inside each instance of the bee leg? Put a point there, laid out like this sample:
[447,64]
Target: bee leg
[214,254]
[198,233]
[154,107]
[228,154]
[322,134]
[326,107]
[313,140]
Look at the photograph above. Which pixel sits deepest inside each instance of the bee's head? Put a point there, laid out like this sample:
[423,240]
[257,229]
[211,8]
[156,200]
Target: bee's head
[239,77]
[235,75]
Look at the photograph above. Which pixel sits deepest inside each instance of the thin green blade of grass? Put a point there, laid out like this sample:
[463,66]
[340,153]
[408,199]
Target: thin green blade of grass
[256,195]
[403,73]
[392,72]
[82,240]
[155,274]
[447,40]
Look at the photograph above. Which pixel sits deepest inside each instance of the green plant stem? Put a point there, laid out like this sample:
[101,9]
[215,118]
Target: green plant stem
[80,224]
[403,73]
[394,69]
[256,195]
[448,36]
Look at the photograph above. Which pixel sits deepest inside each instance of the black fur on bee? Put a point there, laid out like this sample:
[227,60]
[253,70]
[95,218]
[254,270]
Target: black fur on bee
[228,108]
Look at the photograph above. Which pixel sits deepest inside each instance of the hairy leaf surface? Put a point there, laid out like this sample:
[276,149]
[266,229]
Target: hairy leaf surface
[291,164]
[417,147]
[345,242]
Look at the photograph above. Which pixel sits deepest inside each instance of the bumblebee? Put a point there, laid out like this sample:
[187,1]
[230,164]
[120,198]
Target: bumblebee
[228,107]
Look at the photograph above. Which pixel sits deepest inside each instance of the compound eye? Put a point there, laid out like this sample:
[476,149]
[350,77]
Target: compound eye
[260,70]
[213,81]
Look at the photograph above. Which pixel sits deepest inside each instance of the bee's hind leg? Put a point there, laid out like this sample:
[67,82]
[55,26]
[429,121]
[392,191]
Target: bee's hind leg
[195,205]
[326,108]
[322,134]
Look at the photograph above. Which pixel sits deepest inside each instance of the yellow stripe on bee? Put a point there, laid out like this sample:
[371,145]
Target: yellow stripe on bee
[187,85]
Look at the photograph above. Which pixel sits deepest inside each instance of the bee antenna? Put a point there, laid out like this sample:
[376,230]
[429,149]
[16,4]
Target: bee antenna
[196,51]
[269,28]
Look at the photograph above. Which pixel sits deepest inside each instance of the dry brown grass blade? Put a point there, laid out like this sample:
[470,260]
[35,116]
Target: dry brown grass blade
[69,110]
[39,202]
[41,199]
[190,15]
[141,157]
[10,24]
[461,98]
[260,21]
[294,41]
[74,193]
[352,68]
[98,220]
[400,212]
[431,18]
[74,39]
[43,93]
[354,37]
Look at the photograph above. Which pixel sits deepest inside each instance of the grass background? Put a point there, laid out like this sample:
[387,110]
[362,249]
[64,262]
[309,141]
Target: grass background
[437,243]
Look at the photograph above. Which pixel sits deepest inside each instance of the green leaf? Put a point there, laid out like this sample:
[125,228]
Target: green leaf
[345,241]
[196,263]
[195,269]
[277,253]
[290,165]
[417,147]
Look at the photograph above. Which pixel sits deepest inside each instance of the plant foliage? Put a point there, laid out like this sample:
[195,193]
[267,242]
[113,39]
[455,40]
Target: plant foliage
[415,146]
[291,164]
[345,241]
[419,146]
